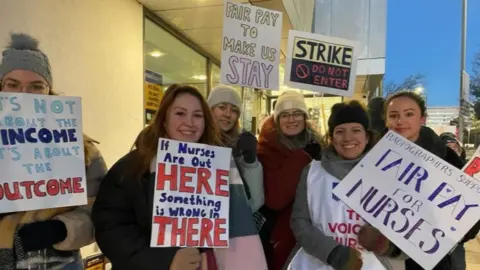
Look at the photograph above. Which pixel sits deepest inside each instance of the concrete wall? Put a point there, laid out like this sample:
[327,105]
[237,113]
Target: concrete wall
[96,52]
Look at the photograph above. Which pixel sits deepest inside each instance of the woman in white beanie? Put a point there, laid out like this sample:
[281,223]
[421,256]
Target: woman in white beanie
[45,238]
[225,103]
[287,144]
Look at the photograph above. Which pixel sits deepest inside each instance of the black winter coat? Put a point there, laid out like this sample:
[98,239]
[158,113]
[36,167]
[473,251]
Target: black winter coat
[122,215]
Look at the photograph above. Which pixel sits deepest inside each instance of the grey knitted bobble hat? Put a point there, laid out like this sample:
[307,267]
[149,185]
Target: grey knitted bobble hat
[23,53]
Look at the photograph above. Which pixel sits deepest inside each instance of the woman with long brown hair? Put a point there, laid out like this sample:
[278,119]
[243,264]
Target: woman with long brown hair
[122,213]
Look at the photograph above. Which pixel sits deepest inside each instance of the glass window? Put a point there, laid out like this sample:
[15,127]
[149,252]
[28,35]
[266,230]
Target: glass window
[173,60]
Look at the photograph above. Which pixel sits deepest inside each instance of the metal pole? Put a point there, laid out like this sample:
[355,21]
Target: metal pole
[462,67]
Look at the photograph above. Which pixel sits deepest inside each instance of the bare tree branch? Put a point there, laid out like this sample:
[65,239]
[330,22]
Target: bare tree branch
[409,83]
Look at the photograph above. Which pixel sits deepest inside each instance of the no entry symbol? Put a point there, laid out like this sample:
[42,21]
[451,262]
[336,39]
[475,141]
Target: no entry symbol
[302,71]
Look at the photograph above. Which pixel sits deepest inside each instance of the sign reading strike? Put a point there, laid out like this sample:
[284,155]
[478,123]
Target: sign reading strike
[42,160]
[419,201]
[191,200]
[251,46]
[320,63]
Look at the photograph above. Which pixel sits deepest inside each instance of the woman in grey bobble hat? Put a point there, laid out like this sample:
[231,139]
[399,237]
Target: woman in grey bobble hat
[45,238]
[225,103]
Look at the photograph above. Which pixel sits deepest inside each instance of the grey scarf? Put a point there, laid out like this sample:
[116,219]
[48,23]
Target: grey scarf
[337,166]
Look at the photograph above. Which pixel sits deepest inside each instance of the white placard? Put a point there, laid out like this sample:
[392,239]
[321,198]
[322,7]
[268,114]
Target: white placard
[320,63]
[42,161]
[191,200]
[251,46]
[420,202]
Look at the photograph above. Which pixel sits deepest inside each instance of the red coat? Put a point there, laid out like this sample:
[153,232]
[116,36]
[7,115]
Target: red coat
[282,169]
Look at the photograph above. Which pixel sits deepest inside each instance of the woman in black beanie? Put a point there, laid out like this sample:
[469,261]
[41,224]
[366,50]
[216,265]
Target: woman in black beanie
[316,208]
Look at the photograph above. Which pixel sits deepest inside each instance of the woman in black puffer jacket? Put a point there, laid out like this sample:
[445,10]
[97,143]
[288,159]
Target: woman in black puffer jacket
[405,113]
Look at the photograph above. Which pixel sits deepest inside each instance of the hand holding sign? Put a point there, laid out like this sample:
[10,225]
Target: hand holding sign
[373,240]
[186,259]
[424,205]
[191,198]
[345,258]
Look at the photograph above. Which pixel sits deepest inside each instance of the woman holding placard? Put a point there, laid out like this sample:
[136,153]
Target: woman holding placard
[225,103]
[405,113]
[46,238]
[325,227]
[287,144]
[123,210]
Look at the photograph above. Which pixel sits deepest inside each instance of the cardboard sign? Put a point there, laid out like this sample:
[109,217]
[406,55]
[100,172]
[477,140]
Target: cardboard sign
[42,161]
[420,202]
[321,64]
[251,46]
[191,200]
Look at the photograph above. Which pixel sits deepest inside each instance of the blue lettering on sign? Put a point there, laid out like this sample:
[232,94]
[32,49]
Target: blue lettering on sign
[56,106]
[334,184]
[401,220]
[32,135]
[393,161]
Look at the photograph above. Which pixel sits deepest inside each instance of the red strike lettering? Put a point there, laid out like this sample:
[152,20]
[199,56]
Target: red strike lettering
[344,228]
[190,228]
[181,178]
[30,189]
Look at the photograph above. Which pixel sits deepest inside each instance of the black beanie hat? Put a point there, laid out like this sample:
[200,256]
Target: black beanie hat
[351,112]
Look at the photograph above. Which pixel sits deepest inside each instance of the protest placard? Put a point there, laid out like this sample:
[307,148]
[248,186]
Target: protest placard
[251,46]
[420,202]
[321,63]
[42,160]
[191,200]
[472,168]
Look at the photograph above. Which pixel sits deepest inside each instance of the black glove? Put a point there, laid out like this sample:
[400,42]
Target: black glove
[345,258]
[313,149]
[42,234]
[247,143]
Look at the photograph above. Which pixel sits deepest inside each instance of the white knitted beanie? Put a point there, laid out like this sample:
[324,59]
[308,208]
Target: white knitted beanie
[290,100]
[224,94]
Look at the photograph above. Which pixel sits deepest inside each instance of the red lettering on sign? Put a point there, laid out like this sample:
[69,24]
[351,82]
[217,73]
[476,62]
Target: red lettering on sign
[189,229]
[474,167]
[42,188]
[187,175]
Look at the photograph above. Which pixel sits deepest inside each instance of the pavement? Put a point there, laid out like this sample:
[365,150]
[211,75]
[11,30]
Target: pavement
[472,253]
